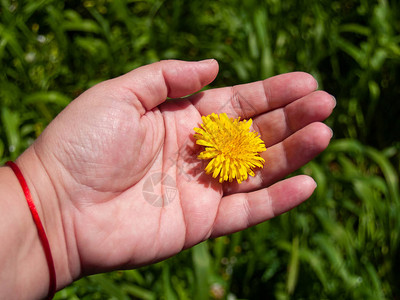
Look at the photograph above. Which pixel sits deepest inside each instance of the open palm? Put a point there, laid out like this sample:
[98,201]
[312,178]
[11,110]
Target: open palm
[123,161]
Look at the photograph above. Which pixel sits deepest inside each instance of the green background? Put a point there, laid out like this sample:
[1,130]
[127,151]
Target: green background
[341,244]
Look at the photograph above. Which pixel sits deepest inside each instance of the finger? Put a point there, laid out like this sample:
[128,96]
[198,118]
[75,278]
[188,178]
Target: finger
[152,84]
[240,211]
[248,100]
[285,157]
[277,125]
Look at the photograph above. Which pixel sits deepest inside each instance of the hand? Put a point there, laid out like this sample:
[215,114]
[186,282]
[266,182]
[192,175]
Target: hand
[103,152]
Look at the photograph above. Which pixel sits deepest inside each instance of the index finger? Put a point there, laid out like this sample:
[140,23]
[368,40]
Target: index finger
[252,99]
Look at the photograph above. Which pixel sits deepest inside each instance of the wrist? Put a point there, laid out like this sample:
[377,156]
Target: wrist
[31,260]
[21,255]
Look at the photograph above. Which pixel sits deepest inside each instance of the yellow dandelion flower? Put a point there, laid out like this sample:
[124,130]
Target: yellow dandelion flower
[233,148]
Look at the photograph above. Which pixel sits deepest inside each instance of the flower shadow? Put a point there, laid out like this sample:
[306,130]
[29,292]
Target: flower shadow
[189,167]
[192,168]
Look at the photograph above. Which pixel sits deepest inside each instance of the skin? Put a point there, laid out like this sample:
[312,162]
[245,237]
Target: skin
[88,169]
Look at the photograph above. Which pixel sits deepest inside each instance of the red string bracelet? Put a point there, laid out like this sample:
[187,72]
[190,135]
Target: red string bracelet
[39,226]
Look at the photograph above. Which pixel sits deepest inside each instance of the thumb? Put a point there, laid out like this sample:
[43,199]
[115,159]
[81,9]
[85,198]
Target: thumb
[152,84]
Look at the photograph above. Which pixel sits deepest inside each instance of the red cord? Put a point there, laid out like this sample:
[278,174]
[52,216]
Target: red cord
[39,226]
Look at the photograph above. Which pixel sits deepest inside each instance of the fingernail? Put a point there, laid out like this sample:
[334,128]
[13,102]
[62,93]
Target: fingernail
[315,182]
[331,131]
[334,99]
[206,61]
[316,83]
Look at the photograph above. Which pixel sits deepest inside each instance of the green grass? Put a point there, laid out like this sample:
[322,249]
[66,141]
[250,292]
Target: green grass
[344,242]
